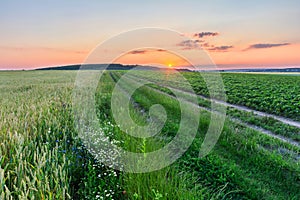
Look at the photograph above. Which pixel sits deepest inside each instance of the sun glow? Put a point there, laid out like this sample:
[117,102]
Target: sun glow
[170,65]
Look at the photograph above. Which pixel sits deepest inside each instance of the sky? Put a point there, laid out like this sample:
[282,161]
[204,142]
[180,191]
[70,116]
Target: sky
[234,34]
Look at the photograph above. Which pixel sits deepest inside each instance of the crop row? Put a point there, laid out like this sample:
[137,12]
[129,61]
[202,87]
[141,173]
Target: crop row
[274,94]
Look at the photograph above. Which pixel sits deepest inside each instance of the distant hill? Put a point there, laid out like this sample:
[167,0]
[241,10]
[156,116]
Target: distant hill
[100,67]
[142,67]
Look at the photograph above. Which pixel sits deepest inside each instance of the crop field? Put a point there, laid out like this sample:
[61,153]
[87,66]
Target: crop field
[275,94]
[43,155]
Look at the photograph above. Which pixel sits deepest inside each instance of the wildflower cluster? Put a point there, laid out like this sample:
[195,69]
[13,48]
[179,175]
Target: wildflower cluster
[101,180]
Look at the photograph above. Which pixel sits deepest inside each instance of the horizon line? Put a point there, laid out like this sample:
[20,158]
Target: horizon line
[202,67]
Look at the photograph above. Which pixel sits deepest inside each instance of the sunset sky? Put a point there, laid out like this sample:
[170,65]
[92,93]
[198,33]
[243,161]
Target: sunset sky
[235,34]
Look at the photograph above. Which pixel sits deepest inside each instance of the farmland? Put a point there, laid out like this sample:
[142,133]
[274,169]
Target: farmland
[44,157]
[276,94]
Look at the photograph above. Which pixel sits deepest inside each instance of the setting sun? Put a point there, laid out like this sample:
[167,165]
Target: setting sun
[170,65]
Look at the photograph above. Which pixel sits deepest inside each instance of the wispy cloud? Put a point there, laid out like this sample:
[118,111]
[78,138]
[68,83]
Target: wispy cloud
[59,50]
[146,51]
[190,44]
[223,48]
[202,44]
[138,52]
[205,34]
[266,45]
[161,50]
